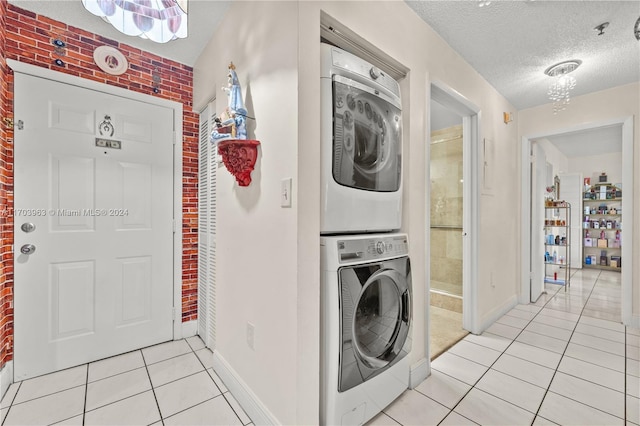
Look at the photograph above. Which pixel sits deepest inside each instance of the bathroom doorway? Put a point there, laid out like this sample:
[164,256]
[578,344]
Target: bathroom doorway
[452,298]
[446,218]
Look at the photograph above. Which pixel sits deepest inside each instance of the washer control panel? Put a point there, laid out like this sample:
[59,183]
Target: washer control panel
[375,247]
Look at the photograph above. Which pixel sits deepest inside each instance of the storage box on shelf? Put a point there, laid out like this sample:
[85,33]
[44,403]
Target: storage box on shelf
[602,227]
[557,258]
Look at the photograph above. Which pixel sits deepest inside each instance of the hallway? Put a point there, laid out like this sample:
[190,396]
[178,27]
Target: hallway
[564,360]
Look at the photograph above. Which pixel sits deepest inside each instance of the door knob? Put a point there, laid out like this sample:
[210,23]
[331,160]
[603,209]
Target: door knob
[27,249]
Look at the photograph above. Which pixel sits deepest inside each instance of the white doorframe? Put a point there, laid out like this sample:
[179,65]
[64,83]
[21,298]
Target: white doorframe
[177,163]
[627,230]
[471,116]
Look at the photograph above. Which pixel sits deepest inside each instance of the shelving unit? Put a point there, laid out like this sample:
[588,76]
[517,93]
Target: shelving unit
[602,227]
[557,244]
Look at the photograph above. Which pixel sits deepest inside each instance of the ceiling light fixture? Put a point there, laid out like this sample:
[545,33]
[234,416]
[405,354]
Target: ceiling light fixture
[157,20]
[482,3]
[636,29]
[563,83]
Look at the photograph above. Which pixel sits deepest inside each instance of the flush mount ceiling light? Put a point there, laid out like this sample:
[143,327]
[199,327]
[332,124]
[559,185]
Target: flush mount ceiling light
[157,20]
[563,83]
[482,3]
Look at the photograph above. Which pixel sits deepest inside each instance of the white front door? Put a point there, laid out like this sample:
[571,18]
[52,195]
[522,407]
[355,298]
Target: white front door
[100,281]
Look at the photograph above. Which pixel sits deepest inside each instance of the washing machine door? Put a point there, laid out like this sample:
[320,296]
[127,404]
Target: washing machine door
[367,137]
[375,323]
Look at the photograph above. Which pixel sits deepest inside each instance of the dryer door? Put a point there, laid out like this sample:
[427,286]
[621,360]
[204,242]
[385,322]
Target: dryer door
[376,319]
[367,140]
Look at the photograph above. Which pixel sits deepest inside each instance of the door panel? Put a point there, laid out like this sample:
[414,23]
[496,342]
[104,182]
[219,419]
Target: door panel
[71,301]
[72,190]
[100,281]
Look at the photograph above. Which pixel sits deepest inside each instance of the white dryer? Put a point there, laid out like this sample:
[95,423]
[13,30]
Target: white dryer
[366,325]
[361,137]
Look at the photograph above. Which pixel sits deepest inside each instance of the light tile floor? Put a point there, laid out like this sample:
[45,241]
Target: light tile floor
[564,360]
[167,384]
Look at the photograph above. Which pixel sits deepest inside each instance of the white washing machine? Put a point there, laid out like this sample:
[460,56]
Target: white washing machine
[366,325]
[361,137]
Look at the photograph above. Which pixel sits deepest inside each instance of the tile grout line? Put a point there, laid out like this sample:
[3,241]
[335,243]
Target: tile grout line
[153,389]
[12,400]
[555,371]
[562,357]
[496,360]
[86,393]
[625,374]
[216,385]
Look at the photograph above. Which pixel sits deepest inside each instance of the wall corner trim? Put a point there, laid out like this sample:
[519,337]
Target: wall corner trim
[248,400]
[6,378]
[419,372]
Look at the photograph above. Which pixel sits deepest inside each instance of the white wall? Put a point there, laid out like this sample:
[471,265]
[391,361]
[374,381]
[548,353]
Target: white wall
[593,166]
[597,107]
[555,157]
[257,261]
[268,257]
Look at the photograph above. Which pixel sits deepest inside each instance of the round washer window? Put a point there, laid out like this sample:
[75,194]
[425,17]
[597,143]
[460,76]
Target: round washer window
[377,317]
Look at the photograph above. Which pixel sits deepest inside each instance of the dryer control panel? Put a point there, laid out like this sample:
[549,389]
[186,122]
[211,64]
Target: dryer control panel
[373,248]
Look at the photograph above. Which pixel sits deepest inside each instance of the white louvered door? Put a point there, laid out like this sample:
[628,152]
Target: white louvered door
[207,170]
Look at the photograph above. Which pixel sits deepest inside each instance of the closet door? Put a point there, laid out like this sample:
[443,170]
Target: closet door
[207,170]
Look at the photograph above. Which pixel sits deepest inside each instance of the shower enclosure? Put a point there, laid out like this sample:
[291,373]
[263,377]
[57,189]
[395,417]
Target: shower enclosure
[446,211]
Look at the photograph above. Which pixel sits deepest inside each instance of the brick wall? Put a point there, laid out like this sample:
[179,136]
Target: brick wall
[28,38]
[6,223]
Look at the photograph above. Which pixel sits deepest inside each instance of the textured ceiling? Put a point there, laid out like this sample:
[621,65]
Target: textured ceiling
[204,17]
[511,43]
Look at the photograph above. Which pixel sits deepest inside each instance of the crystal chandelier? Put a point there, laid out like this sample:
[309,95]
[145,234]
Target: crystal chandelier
[562,84]
[157,20]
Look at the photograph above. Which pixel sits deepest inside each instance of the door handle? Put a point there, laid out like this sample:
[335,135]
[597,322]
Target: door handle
[28,249]
[406,313]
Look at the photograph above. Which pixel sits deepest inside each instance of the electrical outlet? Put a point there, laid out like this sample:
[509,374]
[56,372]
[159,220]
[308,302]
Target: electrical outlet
[285,193]
[251,331]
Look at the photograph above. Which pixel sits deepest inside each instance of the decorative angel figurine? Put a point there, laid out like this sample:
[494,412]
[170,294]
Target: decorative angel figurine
[231,123]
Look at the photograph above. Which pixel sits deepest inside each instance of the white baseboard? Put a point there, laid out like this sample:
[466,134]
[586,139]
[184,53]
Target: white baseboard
[419,372]
[249,401]
[188,329]
[6,377]
[497,312]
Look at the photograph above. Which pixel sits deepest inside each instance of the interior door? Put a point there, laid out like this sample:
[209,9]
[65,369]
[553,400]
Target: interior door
[538,185]
[93,225]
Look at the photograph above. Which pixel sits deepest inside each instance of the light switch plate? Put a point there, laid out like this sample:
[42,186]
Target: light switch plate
[285,193]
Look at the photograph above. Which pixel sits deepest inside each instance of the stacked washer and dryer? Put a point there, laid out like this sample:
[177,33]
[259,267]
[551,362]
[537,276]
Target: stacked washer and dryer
[365,267]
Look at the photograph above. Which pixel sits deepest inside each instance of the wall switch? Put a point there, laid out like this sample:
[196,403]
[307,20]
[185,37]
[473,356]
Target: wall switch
[285,193]
[251,330]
